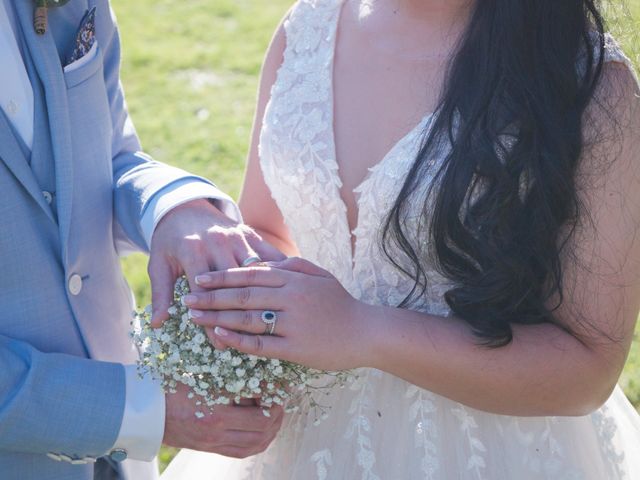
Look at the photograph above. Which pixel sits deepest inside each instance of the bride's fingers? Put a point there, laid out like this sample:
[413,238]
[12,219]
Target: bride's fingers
[243,277]
[260,345]
[217,344]
[246,298]
[247,321]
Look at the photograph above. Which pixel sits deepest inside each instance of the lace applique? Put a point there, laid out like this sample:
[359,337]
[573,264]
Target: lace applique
[359,428]
[468,425]
[322,459]
[606,428]
[385,284]
[554,464]
[426,430]
[541,453]
[296,142]
[613,53]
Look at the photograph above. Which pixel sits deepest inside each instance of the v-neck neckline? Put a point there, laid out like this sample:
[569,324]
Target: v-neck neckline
[352,233]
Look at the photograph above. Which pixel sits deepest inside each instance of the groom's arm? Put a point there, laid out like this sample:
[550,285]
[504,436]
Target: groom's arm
[145,192]
[69,416]
[71,409]
[198,238]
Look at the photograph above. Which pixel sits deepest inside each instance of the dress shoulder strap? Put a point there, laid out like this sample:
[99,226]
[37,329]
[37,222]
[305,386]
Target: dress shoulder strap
[309,24]
[613,52]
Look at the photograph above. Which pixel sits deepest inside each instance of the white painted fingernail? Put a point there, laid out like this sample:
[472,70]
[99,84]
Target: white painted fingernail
[221,332]
[200,279]
[196,313]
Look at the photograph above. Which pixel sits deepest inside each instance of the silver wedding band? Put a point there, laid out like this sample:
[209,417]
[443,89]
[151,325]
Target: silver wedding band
[269,318]
[251,261]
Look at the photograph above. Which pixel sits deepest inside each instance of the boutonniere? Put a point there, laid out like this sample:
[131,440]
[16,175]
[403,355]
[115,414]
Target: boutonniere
[40,13]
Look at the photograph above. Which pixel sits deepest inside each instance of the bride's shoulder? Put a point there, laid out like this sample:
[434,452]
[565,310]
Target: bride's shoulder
[616,92]
[611,133]
[618,83]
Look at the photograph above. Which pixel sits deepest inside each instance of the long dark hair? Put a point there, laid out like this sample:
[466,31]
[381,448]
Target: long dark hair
[504,202]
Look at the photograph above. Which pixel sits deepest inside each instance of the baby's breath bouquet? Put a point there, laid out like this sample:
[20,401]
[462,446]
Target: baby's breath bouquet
[180,352]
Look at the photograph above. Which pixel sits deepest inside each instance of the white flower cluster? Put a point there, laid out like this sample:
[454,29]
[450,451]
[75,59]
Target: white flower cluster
[180,352]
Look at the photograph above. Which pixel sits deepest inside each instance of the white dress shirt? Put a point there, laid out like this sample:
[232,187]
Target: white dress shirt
[16,95]
[142,427]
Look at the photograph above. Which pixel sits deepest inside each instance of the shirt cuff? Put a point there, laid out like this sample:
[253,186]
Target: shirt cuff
[142,426]
[180,192]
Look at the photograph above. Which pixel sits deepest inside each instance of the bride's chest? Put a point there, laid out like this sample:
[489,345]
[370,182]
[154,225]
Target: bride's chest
[304,179]
[317,184]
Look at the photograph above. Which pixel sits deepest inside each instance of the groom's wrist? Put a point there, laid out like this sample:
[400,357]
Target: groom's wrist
[142,427]
[180,193]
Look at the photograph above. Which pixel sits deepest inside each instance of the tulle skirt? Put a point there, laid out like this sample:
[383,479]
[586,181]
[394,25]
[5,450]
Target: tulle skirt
[384,428]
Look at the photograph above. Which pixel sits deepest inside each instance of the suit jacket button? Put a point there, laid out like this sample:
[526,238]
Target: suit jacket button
[118,455]
[75,284]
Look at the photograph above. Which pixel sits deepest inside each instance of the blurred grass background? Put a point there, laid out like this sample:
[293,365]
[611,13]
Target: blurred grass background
[190,70]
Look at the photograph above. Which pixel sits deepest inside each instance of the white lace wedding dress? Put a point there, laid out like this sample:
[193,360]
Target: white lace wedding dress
[383,427]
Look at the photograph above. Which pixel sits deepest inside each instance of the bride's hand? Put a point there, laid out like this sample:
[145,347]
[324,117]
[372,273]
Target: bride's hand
[318,323]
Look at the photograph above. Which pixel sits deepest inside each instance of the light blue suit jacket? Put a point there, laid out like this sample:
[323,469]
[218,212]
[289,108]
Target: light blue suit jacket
[62,385]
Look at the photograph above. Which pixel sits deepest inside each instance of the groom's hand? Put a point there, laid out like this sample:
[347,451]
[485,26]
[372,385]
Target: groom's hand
[195,238]
[233,431]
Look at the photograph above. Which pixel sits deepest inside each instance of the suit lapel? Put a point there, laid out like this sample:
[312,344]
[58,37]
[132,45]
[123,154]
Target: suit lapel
[45,57]
[13,156]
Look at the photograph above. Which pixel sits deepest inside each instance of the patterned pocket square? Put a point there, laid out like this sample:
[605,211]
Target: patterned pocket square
[85,38]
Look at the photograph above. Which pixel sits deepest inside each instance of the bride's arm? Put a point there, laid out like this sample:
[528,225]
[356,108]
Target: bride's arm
[570,368]
[258,208]
[565,369]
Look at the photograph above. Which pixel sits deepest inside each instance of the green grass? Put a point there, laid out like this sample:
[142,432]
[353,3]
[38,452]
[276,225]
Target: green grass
[190,69]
